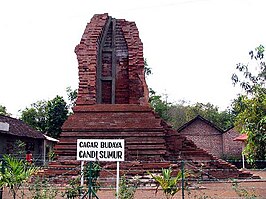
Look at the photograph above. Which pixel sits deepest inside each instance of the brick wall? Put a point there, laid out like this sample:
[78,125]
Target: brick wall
[232,149]
[205,137]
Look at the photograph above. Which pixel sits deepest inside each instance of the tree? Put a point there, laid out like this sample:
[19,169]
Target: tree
[47,116]
[177,114]
[3,111]
[14,173]
[251,75]
[251,119]
[56,115]
[250,108]
[72,97]
[160,106]
[35,116]
[223,120]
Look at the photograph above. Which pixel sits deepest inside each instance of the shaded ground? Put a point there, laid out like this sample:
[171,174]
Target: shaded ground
[205,190]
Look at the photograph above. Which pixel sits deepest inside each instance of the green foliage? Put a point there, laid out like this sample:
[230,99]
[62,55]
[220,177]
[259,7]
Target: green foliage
[72,96]
[179,114]
[73,189]
[250,109]
[56,115]
[3,111]
[14,173]
[47,116]
[35,116]
[127,190]
[160,106]
[19,148]
[170,185]
[147,69]
[41,189]
[51,155]
[251,119]
[223,119]
[251,75]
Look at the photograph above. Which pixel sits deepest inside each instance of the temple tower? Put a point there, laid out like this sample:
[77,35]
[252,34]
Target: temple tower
[113,103]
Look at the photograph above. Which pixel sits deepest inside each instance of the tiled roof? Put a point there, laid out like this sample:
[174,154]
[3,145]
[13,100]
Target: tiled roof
[19,128]
[242,137]
[198,117]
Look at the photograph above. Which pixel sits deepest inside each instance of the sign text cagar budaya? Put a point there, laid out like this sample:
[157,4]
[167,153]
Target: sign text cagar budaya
[100,150]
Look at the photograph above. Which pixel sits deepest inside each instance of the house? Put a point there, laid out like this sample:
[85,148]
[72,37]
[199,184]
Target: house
[211,138]
[13,131]
[231,148]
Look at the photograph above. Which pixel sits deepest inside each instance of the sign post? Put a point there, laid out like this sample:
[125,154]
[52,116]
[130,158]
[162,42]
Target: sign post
[112,150]
[82,173]
[117,180]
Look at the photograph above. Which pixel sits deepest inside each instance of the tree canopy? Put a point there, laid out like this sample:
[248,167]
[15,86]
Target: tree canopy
[250,107]
[56,115]
[46,116]
[3,111]
[251,75]
[178,114]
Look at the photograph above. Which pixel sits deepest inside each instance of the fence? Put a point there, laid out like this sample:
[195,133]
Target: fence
[198,184]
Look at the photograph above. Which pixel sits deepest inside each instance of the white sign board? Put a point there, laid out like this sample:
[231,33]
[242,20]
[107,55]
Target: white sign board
[4,126]
[100,149]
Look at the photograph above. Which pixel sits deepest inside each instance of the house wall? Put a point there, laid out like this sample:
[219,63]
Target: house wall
[232,149]
[7,146]
[205,137]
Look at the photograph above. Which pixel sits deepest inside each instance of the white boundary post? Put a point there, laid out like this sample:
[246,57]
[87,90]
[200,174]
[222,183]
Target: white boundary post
[243,156]
[44,152]
[82,173]
[117,179]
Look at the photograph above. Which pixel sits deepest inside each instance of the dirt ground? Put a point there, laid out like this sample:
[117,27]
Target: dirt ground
[204,190]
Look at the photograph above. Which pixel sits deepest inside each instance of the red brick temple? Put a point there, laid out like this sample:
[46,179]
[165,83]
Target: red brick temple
[113,103]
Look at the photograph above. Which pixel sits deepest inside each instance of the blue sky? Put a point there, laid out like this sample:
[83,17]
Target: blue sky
[192,46]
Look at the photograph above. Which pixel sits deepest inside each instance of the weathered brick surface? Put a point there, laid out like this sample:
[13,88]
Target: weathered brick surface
[231,149]
[148,139]
[205,136]
[130,80]
[211,138]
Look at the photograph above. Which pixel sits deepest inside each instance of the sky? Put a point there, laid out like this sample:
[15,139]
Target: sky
[192,46]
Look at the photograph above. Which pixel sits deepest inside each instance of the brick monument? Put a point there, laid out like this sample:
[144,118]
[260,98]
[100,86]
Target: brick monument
[113,103]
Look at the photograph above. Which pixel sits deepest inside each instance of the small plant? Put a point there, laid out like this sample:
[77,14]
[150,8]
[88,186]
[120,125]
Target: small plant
[51,155]
[41,189]
[127,190]
[74,189]
[169,184]
[14,173]
[241,192]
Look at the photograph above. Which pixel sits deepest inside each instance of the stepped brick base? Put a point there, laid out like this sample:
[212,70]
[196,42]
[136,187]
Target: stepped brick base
[150,144]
